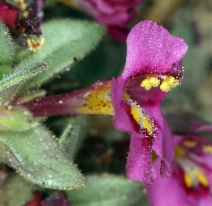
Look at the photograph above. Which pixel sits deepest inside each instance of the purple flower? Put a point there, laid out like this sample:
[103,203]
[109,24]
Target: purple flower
[115,14]
[190,183]
[153,67]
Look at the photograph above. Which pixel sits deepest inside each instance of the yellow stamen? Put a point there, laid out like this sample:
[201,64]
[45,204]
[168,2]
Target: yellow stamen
[169,83]
[179,152]
[150,82]
[189,143]
[126,96]
[98,101]
[188,180]
[33,45]
[201,177]
[25,14]
[207,149]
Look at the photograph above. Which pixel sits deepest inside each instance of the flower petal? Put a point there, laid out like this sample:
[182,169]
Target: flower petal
[151,49]
[139,163]
[163,143]
[121,118]
[165,191]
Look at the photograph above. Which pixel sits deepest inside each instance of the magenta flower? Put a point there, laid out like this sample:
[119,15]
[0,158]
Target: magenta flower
[153,67]
[115,14]
[9,14]
[190,183]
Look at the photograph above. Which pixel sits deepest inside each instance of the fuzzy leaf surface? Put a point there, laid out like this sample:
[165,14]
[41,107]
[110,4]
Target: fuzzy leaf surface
[36,155]
[66,41]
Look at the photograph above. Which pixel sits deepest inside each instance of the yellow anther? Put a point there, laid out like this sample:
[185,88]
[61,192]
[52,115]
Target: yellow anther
[179,152]
[145,84]
[189,143]
[33,45]
[201,177]
[154,81]
[188,180]
[126,96]
[169,83]
[207,149]
[25,14]
[150,82]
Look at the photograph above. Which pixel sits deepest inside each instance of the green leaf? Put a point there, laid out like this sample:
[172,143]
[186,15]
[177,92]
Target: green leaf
[15,119]
[66,41]
[10,84]
[15,191]
[6,50]
[37,157]
[104,190]
[73,135]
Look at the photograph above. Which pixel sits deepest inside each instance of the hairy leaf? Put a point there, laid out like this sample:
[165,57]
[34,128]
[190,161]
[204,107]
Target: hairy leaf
[10,84]
[37,157]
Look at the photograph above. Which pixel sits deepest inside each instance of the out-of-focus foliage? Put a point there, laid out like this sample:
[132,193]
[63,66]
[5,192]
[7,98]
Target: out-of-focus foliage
[10,191]
[103,190]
